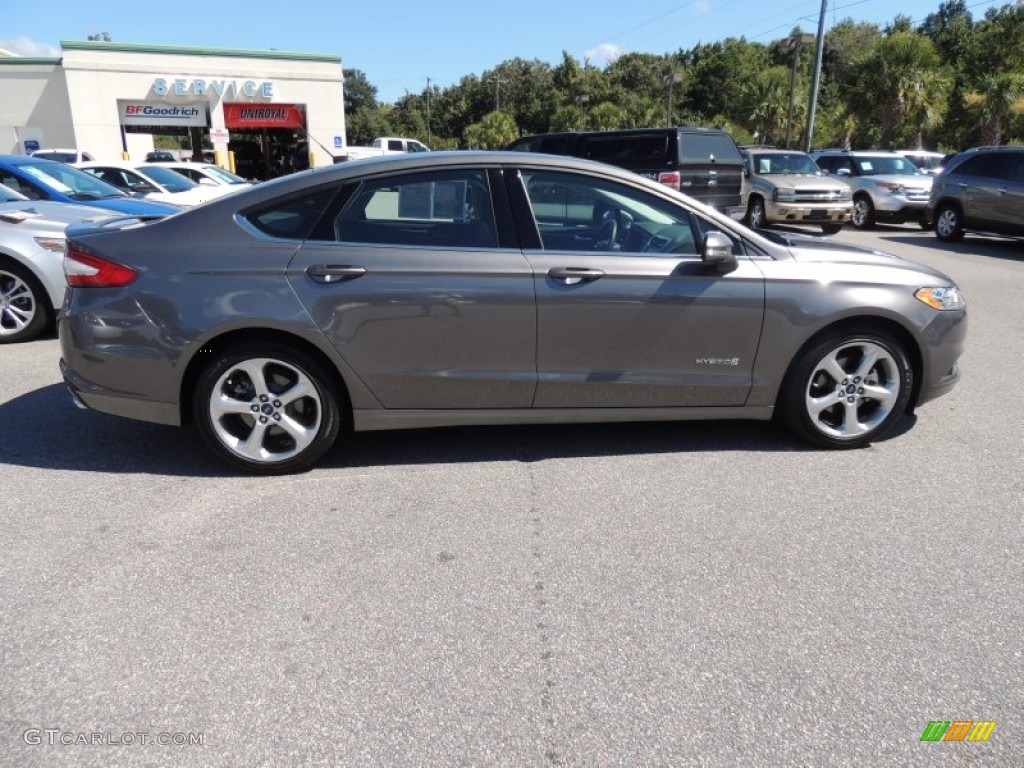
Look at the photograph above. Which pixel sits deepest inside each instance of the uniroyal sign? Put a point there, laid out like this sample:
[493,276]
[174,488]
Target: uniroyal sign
[161,113]
[262,116]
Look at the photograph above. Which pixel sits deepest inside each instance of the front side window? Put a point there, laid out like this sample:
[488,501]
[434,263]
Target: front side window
[167,178]
[585,213]
[445,209]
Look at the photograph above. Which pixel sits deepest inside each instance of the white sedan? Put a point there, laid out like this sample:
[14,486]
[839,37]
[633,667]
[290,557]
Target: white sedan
[32,261]
[208,173]
[154,181]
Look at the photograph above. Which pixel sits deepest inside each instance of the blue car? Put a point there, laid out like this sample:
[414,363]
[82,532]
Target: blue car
[40,179]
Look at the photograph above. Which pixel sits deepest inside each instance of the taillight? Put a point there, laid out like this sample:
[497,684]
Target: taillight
[87,270]
[670,179]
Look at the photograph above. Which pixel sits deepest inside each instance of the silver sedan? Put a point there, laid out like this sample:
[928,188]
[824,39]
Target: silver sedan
[490,288]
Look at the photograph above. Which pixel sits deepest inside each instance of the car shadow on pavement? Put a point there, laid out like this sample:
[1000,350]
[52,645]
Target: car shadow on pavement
[54,434]
[976,245]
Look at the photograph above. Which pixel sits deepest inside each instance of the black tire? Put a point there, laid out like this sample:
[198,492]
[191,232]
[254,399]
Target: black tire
[756,217]
[25,311]
[863,216]
[853,410]
[252,424]
[831,229]
[949,223]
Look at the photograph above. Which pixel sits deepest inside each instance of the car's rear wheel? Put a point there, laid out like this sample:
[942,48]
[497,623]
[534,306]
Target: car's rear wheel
[24,304]
[863,212]
[756,217]
[949,223]
[848,389]
[267,409]
[831,229]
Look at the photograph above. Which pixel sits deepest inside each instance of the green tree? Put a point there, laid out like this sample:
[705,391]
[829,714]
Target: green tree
[496,130]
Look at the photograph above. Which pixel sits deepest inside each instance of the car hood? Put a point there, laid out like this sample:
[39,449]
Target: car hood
[134,207]
[910,182]
[809,249]
[803,181]
[49,216]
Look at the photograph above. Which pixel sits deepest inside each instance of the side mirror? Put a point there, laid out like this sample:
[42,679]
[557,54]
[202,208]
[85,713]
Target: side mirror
[717,252]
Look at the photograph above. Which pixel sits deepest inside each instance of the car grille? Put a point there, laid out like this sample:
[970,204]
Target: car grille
[817,195]
[918,195]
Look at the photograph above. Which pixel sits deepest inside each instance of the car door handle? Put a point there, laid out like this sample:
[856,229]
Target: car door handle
[574,275]
[333,273]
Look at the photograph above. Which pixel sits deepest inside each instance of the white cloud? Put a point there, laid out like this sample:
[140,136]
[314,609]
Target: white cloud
[23,46]
[603,54]
[701,7]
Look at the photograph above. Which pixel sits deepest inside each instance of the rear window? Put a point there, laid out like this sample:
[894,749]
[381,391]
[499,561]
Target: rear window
[701,147]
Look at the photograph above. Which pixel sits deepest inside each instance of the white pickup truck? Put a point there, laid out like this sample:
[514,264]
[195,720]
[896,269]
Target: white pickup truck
[384,145]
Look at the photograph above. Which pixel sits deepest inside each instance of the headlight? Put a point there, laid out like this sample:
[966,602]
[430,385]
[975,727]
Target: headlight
[890,185]
[55,244]
[948,297]
[846,194]
[785,194]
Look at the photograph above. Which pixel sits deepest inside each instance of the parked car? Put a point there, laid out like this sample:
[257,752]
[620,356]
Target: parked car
[704,163]
[64,155]
[40,179]
[208,173]
[32,261]
[452,288]
[161,156]
[154,182]
[925,160]
[786,187]
[886,186]
[980,190]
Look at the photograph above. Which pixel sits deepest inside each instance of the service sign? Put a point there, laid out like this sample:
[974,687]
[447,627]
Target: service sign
[162,113]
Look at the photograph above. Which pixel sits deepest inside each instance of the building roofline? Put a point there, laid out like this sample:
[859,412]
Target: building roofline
[178,50]
[26,60]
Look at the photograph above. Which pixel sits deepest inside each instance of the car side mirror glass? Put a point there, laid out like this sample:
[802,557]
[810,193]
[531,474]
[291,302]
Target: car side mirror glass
[717,252]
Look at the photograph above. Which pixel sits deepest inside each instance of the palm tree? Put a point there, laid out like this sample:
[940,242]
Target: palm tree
[999,97]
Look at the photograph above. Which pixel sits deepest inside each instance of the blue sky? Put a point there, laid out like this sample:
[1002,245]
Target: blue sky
[399,44]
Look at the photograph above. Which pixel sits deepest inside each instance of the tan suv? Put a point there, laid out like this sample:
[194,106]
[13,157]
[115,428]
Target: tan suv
[787,187]
[980,190]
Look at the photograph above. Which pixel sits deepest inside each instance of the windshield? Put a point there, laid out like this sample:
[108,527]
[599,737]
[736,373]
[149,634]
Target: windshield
[892,166]
[69,181]
[170,180]
[225,176]
[788,163]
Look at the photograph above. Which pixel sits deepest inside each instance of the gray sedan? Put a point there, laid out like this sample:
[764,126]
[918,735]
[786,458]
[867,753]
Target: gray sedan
[490,288]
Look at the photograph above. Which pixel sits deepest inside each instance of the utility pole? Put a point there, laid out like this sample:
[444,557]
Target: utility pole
[428,111]
[670,79]
[817,76]
[497,92]
[794,42]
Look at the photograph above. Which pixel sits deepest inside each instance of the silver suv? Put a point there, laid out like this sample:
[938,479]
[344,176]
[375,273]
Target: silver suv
[981,190]
[886,186]
[786,187]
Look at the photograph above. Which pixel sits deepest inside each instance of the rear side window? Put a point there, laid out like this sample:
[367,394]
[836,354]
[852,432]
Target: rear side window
[701,147]
[292,218]
[629,151]
[445,209]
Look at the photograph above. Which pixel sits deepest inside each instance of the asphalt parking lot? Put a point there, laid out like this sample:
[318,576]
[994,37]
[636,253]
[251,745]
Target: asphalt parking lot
[659,594]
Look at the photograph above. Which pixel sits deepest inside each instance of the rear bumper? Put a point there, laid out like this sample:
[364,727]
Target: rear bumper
[91,396]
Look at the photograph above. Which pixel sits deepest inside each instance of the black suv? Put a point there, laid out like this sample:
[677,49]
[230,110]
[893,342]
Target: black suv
[980,190]
[703,163]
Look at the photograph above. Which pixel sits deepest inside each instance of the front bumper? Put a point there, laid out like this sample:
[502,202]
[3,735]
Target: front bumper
[782,212]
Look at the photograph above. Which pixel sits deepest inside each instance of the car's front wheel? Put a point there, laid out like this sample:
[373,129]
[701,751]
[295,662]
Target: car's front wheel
[24,304]
[863,212]
[756,217]
[267,409]
[848,389]
[949,224]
